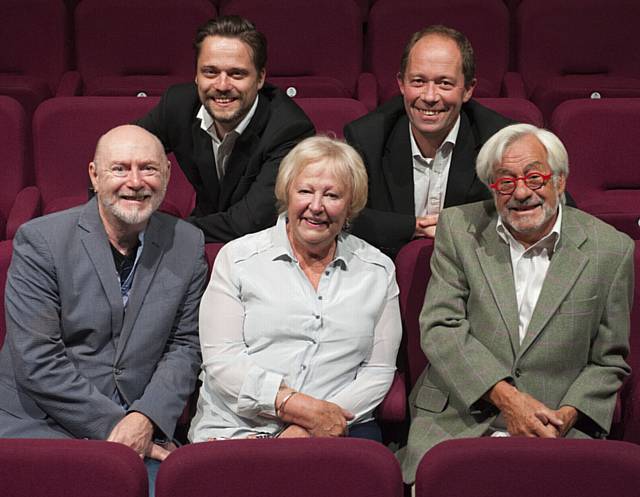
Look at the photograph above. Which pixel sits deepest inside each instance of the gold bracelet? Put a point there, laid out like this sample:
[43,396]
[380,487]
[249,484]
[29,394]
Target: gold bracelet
[280,408]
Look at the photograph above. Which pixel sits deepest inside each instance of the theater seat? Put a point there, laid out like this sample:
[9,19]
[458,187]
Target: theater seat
[529,467]
[314,48]
[413,271]
[127,47]
[15,171]
[70,468]
[330,115]
[35,52]
[317,467]
[5,260]
[66,131]
[518,109]
[569,49]
[392,22]
[601,138]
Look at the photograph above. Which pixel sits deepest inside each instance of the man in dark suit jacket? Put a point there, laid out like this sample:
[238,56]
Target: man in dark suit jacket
[102,309]
[447,129]
[229,131]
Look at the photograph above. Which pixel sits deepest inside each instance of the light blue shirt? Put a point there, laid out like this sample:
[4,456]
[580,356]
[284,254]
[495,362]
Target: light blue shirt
[262,323]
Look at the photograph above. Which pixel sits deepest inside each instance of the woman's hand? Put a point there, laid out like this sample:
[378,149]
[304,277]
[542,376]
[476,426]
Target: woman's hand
[294,431]
[319,418]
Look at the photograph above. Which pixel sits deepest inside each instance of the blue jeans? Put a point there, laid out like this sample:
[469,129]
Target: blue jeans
[152,472]
[369,430]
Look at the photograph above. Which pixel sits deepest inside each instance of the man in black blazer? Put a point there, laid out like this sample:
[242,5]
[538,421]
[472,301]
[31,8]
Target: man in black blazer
[421,147]
[229,131]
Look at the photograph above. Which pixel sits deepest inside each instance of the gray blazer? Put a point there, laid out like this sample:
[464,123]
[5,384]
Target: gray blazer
[70,346]
[574,350]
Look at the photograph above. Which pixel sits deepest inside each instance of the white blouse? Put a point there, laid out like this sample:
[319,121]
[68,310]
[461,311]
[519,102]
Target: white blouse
[262,323]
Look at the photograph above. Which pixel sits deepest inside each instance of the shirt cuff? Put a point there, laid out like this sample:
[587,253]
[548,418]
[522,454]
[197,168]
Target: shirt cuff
[258,393]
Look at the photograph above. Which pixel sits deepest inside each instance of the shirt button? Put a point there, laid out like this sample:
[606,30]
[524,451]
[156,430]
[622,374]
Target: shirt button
[303,367]
[327,273]
[319,297]
[117,371]
[317,316]
[517,372]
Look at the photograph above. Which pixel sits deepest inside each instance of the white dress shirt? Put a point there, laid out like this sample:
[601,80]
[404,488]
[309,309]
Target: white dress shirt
[263,324]
[530,268]
[430,175]
[207,124]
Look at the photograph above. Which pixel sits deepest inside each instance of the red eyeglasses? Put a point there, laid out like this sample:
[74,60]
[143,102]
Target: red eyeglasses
[507,185]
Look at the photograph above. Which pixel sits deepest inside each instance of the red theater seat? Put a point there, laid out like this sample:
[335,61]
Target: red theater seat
[35,52]
[70,468]
[392,22]
[15,172]
[570,49]
[125,47]
[318,467]
[601,138]
[314,48]
[529,467]
[66,131]
[330,115]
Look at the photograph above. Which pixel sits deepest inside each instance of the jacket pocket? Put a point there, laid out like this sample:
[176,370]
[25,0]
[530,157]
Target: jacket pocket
[578,307]
[431,399]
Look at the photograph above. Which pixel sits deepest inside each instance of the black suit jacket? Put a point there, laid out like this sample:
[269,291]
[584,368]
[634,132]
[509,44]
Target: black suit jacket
[244,202]
[382,138]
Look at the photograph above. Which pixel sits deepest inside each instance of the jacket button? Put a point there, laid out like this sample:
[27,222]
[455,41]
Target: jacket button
[517,372]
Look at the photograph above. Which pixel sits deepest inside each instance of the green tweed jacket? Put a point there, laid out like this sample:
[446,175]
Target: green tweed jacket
[576,343]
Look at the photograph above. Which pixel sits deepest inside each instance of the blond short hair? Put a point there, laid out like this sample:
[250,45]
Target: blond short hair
[343,160]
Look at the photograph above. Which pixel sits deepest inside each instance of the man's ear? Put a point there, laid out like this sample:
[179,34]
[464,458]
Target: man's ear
[468,90]
[400,81]
[261,78]
[93,175]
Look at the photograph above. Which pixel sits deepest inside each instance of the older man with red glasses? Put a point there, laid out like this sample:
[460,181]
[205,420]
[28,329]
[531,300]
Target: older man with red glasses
[526,317]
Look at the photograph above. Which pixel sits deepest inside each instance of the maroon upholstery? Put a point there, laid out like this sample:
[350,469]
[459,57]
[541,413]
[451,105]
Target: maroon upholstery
[34,52]
[518,109]
[15,171]
[392,22]
[5,260]
[66,131]
[601,138]
[413,271]
[569,49]
[125,47]
[526,467]
[313,47]
[329,115]
[316,467]
[70,468]
[629,429]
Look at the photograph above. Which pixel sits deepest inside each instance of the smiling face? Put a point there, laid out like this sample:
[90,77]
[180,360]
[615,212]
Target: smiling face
[528,214]
[433,89]
[129,175]
[227,80]
[318,208]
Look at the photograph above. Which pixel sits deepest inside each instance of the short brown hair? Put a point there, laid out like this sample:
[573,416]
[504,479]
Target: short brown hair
[466,50]
[235,27]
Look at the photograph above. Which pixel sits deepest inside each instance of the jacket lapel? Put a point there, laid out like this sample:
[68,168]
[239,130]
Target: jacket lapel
[566,265]
[205,162]
[495,261]
[97,246]
[397,165]
[463,162]
[145,271]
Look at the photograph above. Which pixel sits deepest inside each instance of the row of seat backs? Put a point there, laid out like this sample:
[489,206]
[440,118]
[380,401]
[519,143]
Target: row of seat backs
[565,48]
[65,132]
[482,467]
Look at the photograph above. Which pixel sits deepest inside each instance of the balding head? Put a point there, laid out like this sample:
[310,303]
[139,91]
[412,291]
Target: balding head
[130,173]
